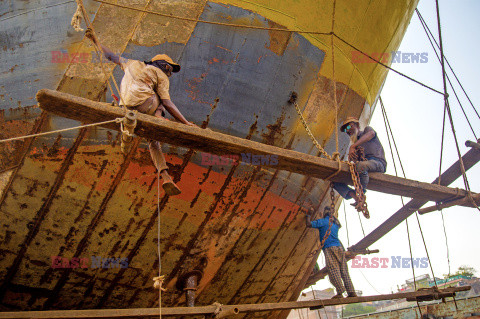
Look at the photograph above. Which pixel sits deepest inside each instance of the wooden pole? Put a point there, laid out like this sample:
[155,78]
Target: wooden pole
[224,310]
[150,127]
[459,202]
[472,145]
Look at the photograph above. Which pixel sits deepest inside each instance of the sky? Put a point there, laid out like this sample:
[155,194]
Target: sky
[415,114]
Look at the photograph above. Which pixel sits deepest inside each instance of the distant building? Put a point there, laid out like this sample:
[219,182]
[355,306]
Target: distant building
[327,312]
[422,281]
[453,281]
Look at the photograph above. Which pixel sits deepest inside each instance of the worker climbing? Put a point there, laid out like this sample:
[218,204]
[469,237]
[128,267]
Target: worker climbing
[367,153]
[145,88]
[335,259]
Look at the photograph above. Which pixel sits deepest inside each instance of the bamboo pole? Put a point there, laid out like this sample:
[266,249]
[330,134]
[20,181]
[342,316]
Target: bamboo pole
[221,311]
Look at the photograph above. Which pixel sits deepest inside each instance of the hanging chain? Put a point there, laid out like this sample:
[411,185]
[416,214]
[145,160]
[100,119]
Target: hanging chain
[293,100]
[330,221]
[359,155]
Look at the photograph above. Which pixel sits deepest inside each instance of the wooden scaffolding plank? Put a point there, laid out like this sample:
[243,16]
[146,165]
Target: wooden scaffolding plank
[470,158]
[225,310]
[206,140]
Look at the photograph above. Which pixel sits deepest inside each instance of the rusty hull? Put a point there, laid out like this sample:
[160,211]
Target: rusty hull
[76,195]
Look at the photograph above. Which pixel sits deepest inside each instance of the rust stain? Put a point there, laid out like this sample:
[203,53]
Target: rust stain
[278,39]
[12,270]
[177,173]
[155,30]
[289,258]
[220,47]
[275,131]
[91,228]
[194,90]
[253,128]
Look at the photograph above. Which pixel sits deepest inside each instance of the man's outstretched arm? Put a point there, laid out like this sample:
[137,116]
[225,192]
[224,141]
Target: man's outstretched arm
[173,110]
[106,51]
[308,218]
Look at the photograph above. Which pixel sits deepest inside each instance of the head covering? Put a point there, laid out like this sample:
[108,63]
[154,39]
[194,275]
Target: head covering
[348,120]
[327,212]
[167,59]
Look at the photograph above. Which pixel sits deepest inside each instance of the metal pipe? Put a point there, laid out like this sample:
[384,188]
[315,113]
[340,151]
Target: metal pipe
[190,288]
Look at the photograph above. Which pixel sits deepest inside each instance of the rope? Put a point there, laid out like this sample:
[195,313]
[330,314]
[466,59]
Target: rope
[158,247]
[36,9]
[389,132]
[211,22]
[449,112]
[91,31]
[446,242]
[386,66]
[81,8]
[346,224]
[268,29]
[323,305]
[77,17]
[441,147]
[333,79]
[450,82]
[339,169]
[426,250]
[117,120]
[426,28]
[361,224]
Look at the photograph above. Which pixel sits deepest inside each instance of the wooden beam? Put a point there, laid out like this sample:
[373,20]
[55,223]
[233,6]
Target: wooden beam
[466,201]
[473,145]
[225,309]
[206,140]
[471,158]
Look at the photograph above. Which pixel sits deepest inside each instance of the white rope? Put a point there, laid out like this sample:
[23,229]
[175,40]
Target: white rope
[158,246]
[117,120]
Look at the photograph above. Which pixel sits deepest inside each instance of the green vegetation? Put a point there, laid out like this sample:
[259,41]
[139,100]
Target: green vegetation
[463,270]
[357,309]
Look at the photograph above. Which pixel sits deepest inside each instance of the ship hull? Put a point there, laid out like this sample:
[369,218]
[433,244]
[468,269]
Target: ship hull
[73,201]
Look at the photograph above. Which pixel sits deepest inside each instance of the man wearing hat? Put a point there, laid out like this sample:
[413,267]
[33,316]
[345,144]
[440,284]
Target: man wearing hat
[334,252]
[145,88]
[374,154]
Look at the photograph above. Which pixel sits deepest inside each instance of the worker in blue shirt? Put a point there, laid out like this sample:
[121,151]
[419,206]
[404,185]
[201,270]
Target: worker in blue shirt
[334,253]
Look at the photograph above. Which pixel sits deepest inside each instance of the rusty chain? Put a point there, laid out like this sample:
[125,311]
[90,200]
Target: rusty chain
[361,205]
[330,221]
[307,129]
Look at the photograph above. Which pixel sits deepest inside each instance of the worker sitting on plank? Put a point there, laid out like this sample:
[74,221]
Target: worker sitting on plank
[334,252]
[374,155]
[145,88]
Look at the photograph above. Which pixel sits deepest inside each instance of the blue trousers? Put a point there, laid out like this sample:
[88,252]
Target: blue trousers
[363,167]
